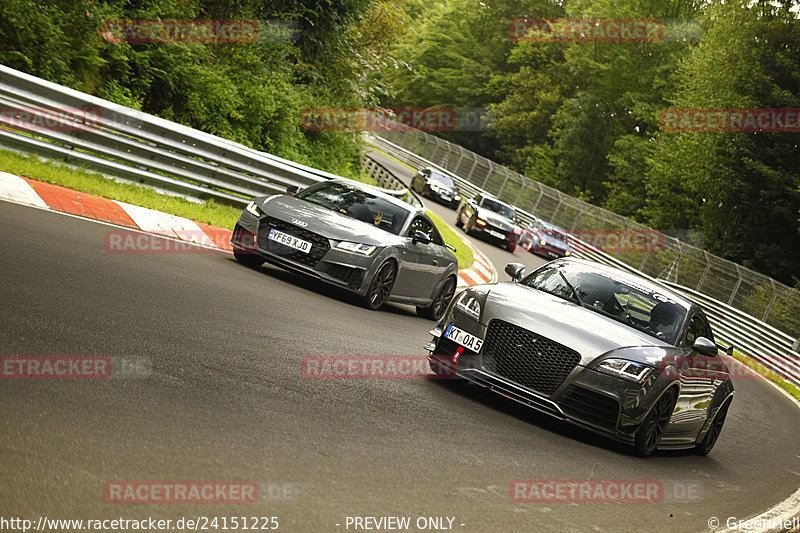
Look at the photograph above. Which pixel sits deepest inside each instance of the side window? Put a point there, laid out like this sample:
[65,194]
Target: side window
[420,224]
[698,327]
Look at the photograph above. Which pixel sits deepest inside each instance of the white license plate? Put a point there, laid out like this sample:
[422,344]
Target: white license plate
[467,340]
[289,240]
[494,233]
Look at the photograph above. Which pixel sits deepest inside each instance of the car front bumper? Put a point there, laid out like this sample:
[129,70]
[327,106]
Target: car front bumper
[596,401]
[348,270]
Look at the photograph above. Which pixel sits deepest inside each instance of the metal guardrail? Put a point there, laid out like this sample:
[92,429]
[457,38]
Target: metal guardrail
[60,123]
[761,342]
[51,120]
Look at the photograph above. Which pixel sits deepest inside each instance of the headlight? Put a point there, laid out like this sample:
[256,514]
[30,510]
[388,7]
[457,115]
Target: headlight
[435,188]
[480,222]
[542,242]
[621,368]
[457,198]
[567,253]
[469,304]
[357,247]
[253,209]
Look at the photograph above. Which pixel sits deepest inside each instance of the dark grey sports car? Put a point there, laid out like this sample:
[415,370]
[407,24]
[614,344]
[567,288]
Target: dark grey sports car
[436,186]
[604,349]
[353,236]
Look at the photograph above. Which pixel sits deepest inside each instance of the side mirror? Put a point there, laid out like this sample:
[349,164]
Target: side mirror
[515,270]
[728,351]
[704,346]
[420,236]
[291,190]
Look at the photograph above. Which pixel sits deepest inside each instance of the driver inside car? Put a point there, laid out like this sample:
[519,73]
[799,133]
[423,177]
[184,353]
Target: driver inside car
[663,320]
[598,293]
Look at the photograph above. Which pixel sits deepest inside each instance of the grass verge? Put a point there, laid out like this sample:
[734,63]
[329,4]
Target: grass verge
[209,212]
[769,374]
[463,252]
[32,167]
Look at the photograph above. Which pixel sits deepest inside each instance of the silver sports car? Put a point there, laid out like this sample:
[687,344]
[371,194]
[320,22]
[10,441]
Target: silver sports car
[593,345]
[353,236]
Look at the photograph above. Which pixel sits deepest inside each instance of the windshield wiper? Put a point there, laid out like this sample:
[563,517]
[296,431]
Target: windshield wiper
[575,292]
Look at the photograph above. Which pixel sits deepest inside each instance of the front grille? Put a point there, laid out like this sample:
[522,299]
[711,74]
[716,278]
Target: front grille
[591,406]
[527,358]
[319,244]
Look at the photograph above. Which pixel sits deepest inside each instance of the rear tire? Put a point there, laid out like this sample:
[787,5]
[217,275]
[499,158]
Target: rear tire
[652,429]
[248,258]
[381,286]
[712,435]
[438,306]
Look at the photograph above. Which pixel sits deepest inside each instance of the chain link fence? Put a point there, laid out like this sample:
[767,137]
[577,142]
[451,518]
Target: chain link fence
[666,257]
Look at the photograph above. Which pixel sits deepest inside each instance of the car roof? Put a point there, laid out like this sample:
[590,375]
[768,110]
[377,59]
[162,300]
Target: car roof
[379,192]
[498,200]
[631,278]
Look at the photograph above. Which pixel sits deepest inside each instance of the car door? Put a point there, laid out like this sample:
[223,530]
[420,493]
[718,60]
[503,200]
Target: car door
[423,262]
[700,376]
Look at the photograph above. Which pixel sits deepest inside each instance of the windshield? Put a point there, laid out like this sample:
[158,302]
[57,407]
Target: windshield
[498,207]
[357,204]
[441,179]
[636,305]
[554,233]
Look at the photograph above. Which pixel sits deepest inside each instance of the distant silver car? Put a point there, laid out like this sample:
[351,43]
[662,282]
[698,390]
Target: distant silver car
[490,218]
[609,351]
[353,236]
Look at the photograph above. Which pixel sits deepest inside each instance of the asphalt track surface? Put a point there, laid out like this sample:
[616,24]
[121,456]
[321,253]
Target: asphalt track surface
[226,401]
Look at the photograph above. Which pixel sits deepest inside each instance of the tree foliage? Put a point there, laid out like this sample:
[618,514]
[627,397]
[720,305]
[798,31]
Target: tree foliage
[585,116]
[309,53]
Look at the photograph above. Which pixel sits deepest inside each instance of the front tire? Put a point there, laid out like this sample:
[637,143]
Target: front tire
[652,429]
[713,432]
[438,306]
[458,221]
[381,286]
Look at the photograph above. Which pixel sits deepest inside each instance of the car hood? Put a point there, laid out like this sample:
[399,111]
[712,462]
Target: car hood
[326,222]
[443,187]
[552,241]
[585,331]
[496,219]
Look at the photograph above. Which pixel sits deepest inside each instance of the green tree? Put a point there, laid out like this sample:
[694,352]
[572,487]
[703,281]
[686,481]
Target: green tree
[740,189]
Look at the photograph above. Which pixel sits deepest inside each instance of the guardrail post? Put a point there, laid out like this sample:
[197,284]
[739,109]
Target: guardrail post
[471,170]
[705,272]
[771,302]
[738,284]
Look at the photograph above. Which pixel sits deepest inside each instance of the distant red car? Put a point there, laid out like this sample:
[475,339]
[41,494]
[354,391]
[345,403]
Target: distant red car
[542,238]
